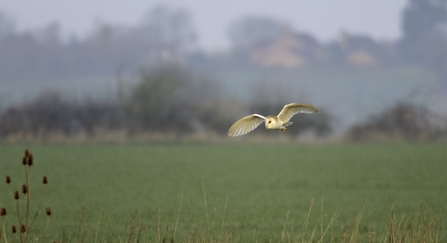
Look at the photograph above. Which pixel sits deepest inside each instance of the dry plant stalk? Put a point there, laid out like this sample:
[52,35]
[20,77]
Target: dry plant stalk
[25,221]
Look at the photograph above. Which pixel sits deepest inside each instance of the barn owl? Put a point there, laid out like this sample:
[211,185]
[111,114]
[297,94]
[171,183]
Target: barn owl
[249,123]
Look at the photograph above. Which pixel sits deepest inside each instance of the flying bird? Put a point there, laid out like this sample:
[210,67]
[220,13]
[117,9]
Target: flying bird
[279,122]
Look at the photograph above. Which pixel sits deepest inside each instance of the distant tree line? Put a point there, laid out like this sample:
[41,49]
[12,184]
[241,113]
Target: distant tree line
[164,34]
[51,113]
[168,35]
[171,100]
[166,100]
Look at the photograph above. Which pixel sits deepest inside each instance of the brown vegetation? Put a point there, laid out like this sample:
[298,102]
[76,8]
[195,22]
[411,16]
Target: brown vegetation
[403,121]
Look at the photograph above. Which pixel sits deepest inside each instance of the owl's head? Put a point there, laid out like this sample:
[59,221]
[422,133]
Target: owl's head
[271,122]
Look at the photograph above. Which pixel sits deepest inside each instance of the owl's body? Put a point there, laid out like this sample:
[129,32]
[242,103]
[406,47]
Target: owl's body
[249,123]
[272,122]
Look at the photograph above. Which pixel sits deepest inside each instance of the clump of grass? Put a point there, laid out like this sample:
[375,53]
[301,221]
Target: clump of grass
[414,227]
[25,218]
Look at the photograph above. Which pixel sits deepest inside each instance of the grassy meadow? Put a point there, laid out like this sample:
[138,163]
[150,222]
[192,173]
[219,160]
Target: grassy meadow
[180,192]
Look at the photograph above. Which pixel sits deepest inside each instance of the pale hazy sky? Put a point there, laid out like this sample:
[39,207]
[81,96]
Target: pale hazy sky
[322,18]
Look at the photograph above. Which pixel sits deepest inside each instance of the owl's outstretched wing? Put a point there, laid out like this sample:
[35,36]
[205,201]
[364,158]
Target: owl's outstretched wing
[245,125]
[291,109]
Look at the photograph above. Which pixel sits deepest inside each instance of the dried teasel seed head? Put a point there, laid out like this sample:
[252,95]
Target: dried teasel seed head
[24,189]
[30,159]
[45,180]
[16,195]
[8,179]
[48,211]
[2,211]
[24,160]
[14,230]
[22,228]
[26,153]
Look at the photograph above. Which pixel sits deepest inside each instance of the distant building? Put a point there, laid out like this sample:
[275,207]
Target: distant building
[290,50]
[298,50]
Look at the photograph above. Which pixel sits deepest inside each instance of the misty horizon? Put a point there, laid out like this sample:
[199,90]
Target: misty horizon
[353,77]
[380,20]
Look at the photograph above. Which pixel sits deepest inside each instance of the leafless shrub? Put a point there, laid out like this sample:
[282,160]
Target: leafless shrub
[51,113]
[405,121]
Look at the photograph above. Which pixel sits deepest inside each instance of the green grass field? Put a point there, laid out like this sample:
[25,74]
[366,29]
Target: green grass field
[230,192]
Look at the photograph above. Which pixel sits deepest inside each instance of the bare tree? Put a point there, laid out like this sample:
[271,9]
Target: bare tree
[162,24]
[424,26]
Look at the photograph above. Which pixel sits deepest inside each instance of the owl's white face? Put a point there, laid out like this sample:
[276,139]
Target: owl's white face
[271,122]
